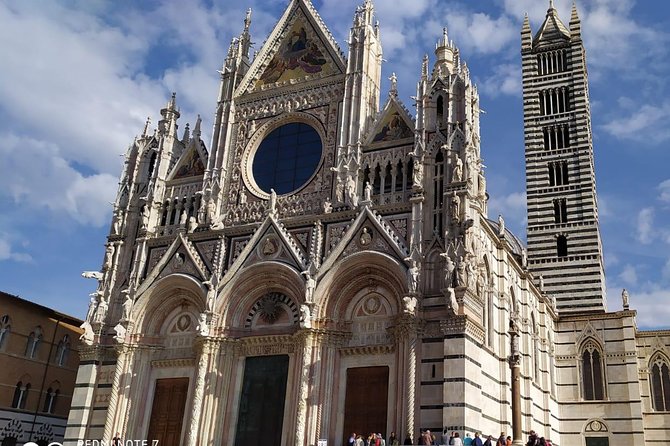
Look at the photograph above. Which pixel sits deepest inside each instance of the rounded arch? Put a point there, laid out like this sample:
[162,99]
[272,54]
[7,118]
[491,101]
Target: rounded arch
[250,284]
[341,284]
[150,311]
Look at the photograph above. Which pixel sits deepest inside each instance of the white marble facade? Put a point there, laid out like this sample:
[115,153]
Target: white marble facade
[378,255]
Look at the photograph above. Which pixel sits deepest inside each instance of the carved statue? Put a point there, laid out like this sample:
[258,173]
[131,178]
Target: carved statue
[524,258]
[455,208]
[457,174]
[460,272]
[501,226]
[127,305]
[120,335]
[203,325]
[211,211]
[305,316]
[183,218]
[452,302]
[192,224]
[146,214]
[87,336]
[241,197]
[327,207]
[118,221]
[541,283]
[352,194]
[100,311]
[269,247]
[417,172]
[365,237]
[413,277]
[394,83]
[481,184]
[471,273]
[409,304]
[448,269]
[339,190]
[310,283]
[97,275]
[367,194]
[109,257]
[211,295]
[92,306]
[625,298]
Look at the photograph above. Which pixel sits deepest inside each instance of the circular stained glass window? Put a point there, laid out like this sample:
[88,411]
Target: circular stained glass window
[286,158]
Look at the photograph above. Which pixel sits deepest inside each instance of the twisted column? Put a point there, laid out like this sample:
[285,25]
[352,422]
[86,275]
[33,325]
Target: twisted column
[112,409]
[199,393]
[303,392]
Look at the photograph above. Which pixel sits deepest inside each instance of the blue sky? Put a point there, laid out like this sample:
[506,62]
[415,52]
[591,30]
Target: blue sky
[79,78]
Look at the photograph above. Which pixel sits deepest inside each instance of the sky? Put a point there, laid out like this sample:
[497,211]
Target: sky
[80,77]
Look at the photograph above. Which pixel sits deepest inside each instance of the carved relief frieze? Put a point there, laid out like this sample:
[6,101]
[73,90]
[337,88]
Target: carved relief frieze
[236,247]
[155,255]
[334,235]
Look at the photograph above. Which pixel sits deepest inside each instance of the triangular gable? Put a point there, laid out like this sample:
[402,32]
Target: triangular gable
[180,257]
[191,163]
[356,238]
[392,124]
[270,242]
[300,47]
[551,31]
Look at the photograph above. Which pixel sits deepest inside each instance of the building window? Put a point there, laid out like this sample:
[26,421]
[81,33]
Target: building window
[50,400]
[560,211]
[660,385]
[63,350]
[551,62]
[562,246]
[556,137]
[5,327]
[33,342]
[20,395]
[592,373]
[558,173]
[554,101]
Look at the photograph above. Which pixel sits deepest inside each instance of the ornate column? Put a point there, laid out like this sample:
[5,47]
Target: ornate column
[406,333]
[205,347]
[515,366]
[112,421]
[303,386]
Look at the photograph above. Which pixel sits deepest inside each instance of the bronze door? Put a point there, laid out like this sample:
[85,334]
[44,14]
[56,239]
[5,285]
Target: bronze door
[366,401]
[167,412]
[261,410]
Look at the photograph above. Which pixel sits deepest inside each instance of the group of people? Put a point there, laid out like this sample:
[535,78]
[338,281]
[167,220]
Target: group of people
[452,438]
[372,440]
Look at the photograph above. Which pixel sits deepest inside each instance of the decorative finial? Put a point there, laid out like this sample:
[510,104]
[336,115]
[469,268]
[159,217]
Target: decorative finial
[394,85]
[424,66]
[551,4]
[247,20]
[146,127]
[196,128]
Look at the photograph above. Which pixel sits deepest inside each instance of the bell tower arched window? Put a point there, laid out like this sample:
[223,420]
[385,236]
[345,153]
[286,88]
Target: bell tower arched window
[660,384]
[593,378]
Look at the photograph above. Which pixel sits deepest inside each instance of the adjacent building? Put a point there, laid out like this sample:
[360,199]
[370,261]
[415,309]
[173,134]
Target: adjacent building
[327,264]
[39,358]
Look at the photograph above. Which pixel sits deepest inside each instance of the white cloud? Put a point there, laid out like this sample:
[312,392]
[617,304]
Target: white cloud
[652,306]
[512,207]
[666,270]
[628,275]
[664,189]
[481,33]
[645,226]
[506,79]
[8,253]
[645,124]
[36,176]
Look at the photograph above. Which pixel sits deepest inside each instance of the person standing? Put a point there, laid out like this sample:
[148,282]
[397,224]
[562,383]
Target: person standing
[116,441]
[445,437]
[478,440]
[393,440]
[467,441]
[501,440]
[489,441]
[508,441]
[457,440]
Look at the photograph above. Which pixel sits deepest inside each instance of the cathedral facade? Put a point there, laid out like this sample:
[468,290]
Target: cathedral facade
[327,266]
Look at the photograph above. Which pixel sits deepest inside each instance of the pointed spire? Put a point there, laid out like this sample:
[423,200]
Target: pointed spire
[196,128]
[247,20]
[172,103]
[424,67]
[187,134]
[551,4]
[575,21]
[146,127]
[526,34]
